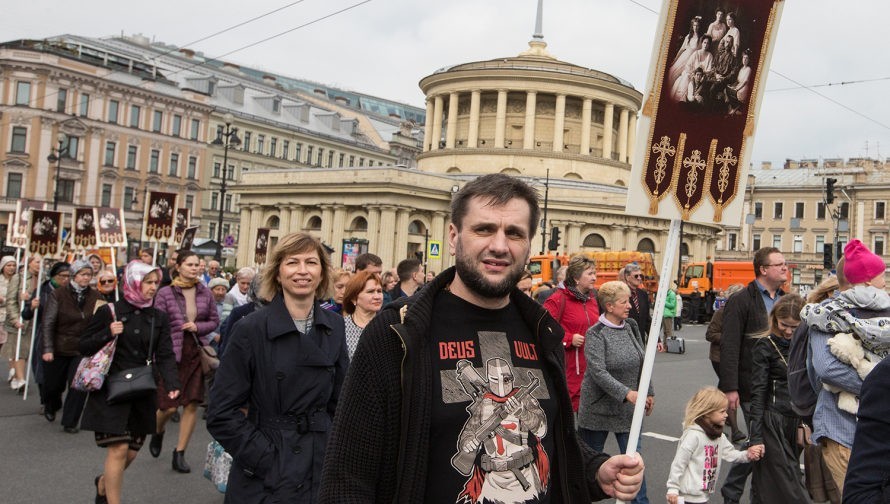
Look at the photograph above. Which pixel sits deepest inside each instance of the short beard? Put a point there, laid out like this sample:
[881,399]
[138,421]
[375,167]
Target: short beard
[477,283]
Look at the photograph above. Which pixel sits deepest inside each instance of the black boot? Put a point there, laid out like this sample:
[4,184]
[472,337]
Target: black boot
[155,445]
[179,463]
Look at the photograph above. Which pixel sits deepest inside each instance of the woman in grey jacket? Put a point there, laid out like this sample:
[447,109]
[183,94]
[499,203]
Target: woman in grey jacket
[614,353]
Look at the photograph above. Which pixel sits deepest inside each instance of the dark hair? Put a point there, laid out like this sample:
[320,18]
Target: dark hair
[496,189]
[406,268]
[362,261]
[182,255]
[761,258]
[296,243]
[355,287]
[149,251]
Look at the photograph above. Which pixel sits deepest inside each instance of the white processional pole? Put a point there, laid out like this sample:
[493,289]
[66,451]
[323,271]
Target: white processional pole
[33,332]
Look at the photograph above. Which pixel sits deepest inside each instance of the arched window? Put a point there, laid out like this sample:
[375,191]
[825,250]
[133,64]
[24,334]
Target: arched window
[684,249]
[646,245]
[359,224]
[510,171]
[453,169]
[594,240]
[314,222]
[619,183]
[573,176]
[273,222]
[416,227]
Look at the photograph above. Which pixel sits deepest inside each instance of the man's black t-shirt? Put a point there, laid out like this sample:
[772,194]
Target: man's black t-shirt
[493,411]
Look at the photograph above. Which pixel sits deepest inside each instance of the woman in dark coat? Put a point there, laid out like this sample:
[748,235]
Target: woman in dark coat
[122,427]
[193,317]
[286,364]
[774,424]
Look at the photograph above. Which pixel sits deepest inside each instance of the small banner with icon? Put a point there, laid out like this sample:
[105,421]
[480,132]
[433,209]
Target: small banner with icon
[188,238]
[45,233]
[112,227]
[183,219]
[85,233]
[159,222]
[20,231]
[262,246]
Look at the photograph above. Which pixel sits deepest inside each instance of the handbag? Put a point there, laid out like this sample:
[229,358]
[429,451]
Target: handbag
[804,435]
[209,357]
[91,371]
[217,465]
[133,383]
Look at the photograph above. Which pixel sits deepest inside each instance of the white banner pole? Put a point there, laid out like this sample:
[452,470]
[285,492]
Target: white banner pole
[23,278]
[33,331]
[117,295]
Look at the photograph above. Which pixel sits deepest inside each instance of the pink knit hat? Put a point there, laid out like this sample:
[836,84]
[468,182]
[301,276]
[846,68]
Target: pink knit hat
[860,264]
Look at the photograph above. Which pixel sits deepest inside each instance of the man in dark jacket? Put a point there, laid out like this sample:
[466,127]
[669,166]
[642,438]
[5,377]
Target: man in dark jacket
[410,273]
[640,310]
[458,392]
[746,314]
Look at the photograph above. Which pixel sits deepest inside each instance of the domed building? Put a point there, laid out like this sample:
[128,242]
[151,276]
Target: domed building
[567,129]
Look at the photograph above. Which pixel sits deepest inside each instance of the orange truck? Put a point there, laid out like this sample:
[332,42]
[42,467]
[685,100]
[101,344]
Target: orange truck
[608,264]
[710,279]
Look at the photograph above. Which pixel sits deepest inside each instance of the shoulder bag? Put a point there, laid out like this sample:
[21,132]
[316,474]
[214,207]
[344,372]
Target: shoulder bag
[134,383]
[209,357]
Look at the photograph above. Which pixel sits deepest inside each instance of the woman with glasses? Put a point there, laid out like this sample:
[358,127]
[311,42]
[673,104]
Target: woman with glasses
[106,284]
[574,307]
[68,312]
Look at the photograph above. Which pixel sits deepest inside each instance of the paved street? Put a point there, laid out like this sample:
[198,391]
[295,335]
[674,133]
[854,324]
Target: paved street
[43,464]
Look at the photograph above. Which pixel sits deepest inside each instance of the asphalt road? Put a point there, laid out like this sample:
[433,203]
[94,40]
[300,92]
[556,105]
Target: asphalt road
[42,464]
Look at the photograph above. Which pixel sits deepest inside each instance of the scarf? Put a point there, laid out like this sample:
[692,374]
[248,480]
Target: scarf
[834,316]
[711,430]
[182,283]
[571,286]
[133,275]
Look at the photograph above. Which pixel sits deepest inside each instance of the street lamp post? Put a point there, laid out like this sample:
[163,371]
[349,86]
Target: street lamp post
[55,156]
[228,137]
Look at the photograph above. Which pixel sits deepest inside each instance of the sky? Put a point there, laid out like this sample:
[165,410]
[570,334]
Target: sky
[384,48]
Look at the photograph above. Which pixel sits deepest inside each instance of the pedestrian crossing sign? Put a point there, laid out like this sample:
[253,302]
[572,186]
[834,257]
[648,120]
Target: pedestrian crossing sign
[435,250]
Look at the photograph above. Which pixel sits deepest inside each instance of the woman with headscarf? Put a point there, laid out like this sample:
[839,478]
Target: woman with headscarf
[7,271]
[193,317]
[286,362]
[16,292]
[574,307]
[68,311]
[121,428]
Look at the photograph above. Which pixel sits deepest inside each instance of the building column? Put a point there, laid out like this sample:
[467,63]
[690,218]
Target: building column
[617,240]
[531,101]
[296,219]
[622,136]
[559,123]
[387,231]
[473,130]
[437,232]
[608,119]
[631,236]
[428,125]
[451,128]
[327,223]
[586,111]
[244,250]
[573,235]
[339,231]
[500,125]
[632,138]
[401,234]
[436,135]
[373,228]
[283,220]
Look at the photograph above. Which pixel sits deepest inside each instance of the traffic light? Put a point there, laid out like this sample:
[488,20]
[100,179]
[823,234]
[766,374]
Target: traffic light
[554,239]
[829,190]
[827,259]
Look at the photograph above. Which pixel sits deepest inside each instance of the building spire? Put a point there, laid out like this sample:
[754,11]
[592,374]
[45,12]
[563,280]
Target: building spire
[539,22]
[536,46]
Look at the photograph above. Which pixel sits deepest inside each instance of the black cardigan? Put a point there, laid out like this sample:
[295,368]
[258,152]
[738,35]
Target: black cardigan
[378,447]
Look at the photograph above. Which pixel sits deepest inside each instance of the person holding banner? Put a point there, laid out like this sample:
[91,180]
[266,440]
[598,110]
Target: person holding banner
[193,317]
[121,428]
[16,293]
[68,312]
[7,271]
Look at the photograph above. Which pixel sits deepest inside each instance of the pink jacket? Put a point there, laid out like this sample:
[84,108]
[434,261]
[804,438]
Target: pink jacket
[171,301]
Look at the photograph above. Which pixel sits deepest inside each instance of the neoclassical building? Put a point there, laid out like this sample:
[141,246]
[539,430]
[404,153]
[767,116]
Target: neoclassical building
[566,129]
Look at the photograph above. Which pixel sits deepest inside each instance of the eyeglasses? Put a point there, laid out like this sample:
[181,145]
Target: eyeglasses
[106,282]
[637,276]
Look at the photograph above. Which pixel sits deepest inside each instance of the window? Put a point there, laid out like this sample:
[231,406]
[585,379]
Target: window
[351,160]
[112,111]
[320,157]
[19,139]
[106,195]
[14,185]
[308,154]
[228,203]
[340,163]
[196,127]
[273,146]
[878,248]
[216,167]
[778,206]
[189,202]
[777,241]
[798,243]
[820,244]
[260,143]
[135,110]
[66,190]
[62,100]
[22,93]
[154,161]
[285,147]
[880,208]
[758,210]
[214,200]
[192,167]
[157,119]
[297,148]
[361,161]
[755,242]
[246,145]
[131,157]
[330,159]
[820,210]
[84,105]
[72,145]
[795,276]
[845,210]
[276,105]
[799,210]
[731,241]
[110,147]
[226,229]
[174,165]
[129,193]
[212,229]
[230,173]
[177,125]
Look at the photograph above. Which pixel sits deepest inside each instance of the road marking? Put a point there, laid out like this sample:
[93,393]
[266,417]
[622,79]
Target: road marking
[661,437]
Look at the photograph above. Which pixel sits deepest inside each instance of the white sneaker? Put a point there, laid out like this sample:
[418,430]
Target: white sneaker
[16,384]
[11,374]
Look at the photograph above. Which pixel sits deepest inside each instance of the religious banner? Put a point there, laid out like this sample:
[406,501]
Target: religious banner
[44,233]
[188,237]
[85,233]
[9,226]
[183,219]
[697,124]
[159,221]
[262,246]
[112,230]
[22,215]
